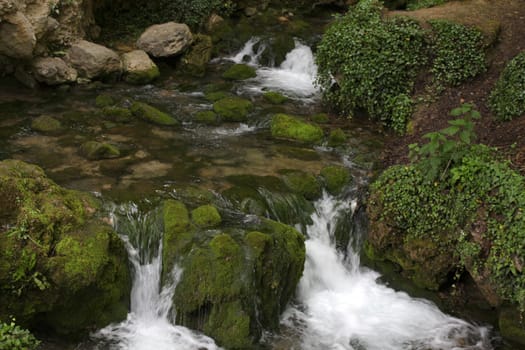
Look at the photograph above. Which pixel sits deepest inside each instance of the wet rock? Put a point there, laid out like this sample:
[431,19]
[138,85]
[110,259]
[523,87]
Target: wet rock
[139,68]
[216,95]
[194,62]
[17,37]
[302,183]
[206,216]
[275,98]
[6,66]
[233,109]
[93,61]
[167,39]
[24,76]
[94,150]
[53,71]
[104,100]
[511,325]
[336,138]
[117,114]
[206,117]
[239,72]
[289,127]
[46,123]
[335,178]
[73,276]
[152,114]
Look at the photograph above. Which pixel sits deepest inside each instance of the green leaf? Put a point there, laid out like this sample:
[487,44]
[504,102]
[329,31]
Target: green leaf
[451,130]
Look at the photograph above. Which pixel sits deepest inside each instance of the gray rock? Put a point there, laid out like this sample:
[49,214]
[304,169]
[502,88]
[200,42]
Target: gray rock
[92,60]
[138,67]
[17,37]
[167,39]
[53,71]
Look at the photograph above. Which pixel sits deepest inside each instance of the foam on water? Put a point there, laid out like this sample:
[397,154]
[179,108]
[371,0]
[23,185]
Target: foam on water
[344,307]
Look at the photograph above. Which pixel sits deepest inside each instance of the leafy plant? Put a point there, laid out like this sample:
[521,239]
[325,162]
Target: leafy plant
[369,62]
[25,275]
[420,4]
[447,146]
[507,100]
[458,52]
[13,337]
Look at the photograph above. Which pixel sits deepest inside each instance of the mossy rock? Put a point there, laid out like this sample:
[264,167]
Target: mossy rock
[320,118]
[104,100]
[336,138]
[511,325]
[302,183]
[246,199]
[194,62]
[276,50]
[206,117]
[142,77]
[229,325]
[118,114]
[206,216]
[74,274]
[239,72]
[233,109]
[275,98]
[178,233]
[46,123]
[289,127]
[94,150]
[335,178]
[152,114]
[216,95]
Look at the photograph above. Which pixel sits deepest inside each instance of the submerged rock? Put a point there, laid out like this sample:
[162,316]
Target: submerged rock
[46,123]
[93,61]
[94,150]
[275,97]
[139,68]
[152,114]
[206,117]
[289,127]
[63,269]
[233,109]
[239,72]
[53,71]
[302,183]
[167,39]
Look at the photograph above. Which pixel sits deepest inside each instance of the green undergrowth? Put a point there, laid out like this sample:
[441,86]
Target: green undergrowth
[13,337]
[413,5]
[507,99]
[460,196]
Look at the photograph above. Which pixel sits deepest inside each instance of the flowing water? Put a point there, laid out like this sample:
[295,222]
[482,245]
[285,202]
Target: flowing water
[339,304]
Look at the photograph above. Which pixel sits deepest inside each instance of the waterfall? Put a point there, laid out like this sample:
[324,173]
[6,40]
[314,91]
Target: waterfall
[342,306]
[148,324]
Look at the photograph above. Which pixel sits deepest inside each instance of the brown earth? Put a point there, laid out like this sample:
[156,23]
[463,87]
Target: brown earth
[508,137]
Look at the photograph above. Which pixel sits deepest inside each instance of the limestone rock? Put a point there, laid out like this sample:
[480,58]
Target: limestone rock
[92,60]
[139,68]
[167,39]
[53,71]
[17,37]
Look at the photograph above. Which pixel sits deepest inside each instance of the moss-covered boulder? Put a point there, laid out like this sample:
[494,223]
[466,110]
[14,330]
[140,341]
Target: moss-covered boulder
[335,178]
[206,216]
[194,62]
[206,117]
[216,95]
[152,114]
[94,150]
[139,68]
[239,72]
[336,138]
[63,269]
[274,97]
[289,127]
[46,124]
[117,114]
[233,109]
[104,100]
[303,183]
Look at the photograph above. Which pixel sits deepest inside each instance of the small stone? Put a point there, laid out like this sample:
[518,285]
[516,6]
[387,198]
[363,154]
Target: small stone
[45,123]
[94,150]
[152,114]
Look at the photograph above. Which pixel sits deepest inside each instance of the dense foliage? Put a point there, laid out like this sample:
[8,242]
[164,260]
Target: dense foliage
[420,4]
[473,204]
[373,61]
[458,52]
[12,337]
[507,100]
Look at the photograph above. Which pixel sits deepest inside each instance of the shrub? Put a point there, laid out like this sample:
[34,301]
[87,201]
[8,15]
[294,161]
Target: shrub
[371,61]
[458,52]
[507,100]
[12,337]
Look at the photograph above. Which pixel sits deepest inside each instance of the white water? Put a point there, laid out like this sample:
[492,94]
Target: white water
[344,307]
[147,326]
[295,76]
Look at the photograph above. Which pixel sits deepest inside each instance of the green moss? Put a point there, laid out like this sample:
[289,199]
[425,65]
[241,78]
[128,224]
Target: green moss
[216,95]
[335,178]
[104,101]
[152,114]
[178,233]
[239,72]
[320,118]
[229,325]
[257,243]
[336,138]
[45,123]
[511,325]
[118,114]
[246,199]
[233,109]
[206,216]
[94,150]
[275,97]
[285,126]
[142,77]
[302,183]
[507,99]
[206,117]
[194,62]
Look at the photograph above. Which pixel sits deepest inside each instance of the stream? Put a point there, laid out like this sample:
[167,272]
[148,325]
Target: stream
[339,304]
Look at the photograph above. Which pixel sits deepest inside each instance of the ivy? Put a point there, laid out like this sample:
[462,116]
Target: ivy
[507,100]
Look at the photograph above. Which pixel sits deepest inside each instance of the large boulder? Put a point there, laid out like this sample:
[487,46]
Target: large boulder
[17,37]
[194,62]
[139,68]
[53,71]
[167,39]
[92,60]
[62,269]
